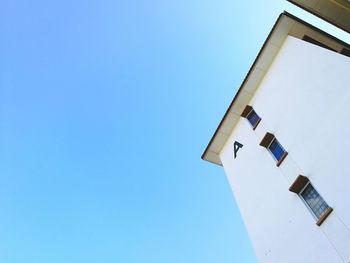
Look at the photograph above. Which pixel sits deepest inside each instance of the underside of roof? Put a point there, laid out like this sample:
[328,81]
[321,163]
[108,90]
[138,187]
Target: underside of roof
[336,12]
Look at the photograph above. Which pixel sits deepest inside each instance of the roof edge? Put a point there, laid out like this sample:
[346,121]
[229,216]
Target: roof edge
[318,15]
[242,85]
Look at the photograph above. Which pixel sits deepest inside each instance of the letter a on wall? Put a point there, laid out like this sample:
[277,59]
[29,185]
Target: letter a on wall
[236,147]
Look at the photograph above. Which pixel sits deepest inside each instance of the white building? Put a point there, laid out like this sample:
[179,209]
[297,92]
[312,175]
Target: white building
[284,145]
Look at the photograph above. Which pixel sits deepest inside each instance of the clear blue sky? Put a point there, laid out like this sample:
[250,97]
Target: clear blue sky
[105,109]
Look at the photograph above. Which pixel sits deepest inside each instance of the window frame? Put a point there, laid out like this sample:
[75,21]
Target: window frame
[272,153]
[257,121]
[266,142]
[307,204]
[298,187]
[249,110]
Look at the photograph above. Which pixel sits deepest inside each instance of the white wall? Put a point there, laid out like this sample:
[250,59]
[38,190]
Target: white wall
[304,100]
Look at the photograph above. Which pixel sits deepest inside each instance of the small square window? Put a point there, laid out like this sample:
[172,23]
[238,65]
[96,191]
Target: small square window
[276,149]
[251,116]
[272,144]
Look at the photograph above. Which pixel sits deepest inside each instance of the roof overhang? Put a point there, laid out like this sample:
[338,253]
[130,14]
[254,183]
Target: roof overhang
[336,12]
[286,25]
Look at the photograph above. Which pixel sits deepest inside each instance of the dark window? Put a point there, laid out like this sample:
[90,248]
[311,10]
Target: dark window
[271,143]
[276,149]
[253,118]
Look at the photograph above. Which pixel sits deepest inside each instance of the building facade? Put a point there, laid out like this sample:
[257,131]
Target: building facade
[283,143]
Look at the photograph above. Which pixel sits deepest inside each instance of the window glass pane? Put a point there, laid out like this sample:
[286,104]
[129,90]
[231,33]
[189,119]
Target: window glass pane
[314,201]
[276,149]
[253,118]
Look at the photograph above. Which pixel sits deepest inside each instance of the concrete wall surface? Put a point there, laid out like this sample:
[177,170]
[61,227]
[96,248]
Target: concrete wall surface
[304,99]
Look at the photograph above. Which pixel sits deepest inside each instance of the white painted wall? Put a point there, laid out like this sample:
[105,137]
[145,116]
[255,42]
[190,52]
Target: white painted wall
[304,100]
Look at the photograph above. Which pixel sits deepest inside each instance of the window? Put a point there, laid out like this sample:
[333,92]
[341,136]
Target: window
[276,149]
[312,199]
[251,116]
[272,144]
[315,202]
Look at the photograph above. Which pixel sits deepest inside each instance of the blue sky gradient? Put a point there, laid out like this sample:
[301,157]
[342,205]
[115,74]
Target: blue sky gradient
[105,109]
